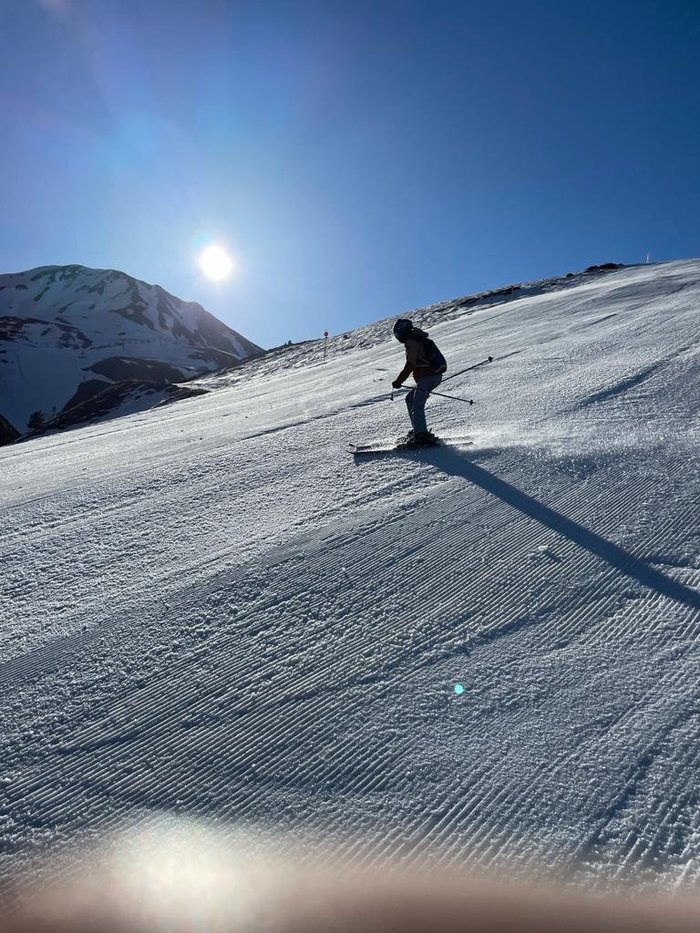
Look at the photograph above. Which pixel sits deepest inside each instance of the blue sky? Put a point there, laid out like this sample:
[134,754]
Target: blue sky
[358,158]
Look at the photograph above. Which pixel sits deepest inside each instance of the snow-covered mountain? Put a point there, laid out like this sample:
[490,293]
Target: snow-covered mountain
[67,333]
[489,651]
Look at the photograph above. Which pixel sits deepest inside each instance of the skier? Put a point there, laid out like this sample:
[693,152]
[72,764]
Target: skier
[427,364]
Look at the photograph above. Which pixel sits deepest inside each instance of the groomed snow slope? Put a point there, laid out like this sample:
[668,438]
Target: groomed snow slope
[211,609]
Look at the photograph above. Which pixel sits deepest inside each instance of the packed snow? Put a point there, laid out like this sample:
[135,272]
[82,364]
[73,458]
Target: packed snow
[487,651]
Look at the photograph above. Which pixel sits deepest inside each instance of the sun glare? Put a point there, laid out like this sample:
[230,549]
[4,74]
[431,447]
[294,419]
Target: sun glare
[215,262]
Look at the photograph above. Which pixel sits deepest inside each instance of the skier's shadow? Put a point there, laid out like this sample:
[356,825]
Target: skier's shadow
[459,465]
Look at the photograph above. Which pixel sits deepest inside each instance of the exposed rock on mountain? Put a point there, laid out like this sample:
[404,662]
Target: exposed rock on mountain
[67,333]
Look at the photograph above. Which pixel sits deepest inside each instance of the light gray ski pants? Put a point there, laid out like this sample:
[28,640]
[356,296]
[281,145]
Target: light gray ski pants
[416,399]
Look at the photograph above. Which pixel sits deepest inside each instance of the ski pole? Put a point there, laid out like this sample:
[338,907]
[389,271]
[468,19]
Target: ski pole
[489,359]
[456,398]
[469,401]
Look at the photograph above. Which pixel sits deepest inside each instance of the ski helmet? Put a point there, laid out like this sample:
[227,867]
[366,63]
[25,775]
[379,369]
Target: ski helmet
[402,328]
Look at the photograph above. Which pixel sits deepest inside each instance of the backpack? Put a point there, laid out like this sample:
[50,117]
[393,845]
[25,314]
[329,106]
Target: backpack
[430,349]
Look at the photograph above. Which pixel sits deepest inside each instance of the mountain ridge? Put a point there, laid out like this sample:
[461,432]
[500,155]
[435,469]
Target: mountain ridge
[63,327]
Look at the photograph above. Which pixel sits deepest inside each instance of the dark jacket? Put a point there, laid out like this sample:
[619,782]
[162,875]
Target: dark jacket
[416,362]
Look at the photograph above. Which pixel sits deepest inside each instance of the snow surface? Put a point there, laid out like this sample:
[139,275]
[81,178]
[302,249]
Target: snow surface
[211,609]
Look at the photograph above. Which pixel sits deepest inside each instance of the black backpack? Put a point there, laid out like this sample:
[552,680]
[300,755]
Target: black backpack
[430,349]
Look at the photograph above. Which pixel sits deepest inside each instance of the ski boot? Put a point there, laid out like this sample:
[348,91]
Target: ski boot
[427,439]
[418,441]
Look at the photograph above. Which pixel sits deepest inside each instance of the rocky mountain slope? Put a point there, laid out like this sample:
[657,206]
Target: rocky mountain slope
[68,333]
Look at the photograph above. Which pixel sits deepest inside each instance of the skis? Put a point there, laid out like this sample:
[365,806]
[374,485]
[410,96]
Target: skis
[390,447]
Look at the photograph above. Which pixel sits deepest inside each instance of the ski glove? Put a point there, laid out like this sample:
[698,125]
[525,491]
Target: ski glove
[397,384]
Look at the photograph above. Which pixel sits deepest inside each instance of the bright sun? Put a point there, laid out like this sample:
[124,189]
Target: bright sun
[215,262]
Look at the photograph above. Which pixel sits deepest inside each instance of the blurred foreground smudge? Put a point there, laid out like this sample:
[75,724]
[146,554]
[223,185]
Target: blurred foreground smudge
[184,877]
